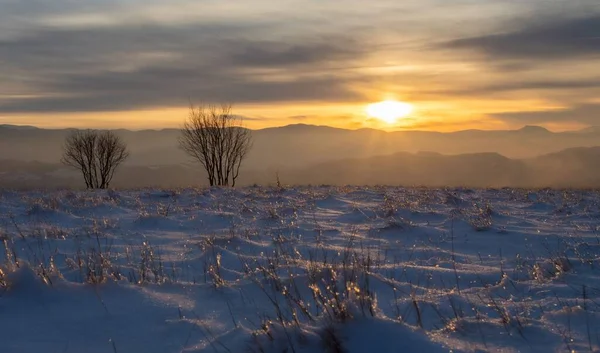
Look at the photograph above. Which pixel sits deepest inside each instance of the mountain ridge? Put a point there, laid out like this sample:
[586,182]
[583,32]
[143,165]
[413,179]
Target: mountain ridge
[301,145]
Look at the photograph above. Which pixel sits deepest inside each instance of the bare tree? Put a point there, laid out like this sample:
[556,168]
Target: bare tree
[97,154]
[217,140]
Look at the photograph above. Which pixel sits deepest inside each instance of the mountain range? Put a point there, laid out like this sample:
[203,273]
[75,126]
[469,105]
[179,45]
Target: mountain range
[308,154]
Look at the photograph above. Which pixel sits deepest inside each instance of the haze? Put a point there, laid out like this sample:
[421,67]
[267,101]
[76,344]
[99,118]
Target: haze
[308,154]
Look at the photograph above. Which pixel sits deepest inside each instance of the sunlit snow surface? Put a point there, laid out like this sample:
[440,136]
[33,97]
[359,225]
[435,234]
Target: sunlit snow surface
[220,270]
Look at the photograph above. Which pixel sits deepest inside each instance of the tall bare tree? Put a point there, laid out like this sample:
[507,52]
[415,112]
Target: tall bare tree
[97,154]
[215,137]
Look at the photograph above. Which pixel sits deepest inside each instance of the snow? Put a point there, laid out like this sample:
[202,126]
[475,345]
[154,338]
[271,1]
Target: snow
[300,269]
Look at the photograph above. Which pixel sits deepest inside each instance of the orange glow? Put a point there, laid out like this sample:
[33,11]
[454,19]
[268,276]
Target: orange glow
[389,111]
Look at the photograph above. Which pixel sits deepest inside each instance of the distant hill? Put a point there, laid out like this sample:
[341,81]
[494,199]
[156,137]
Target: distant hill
[576,168]
[302,145]
[420,169]
[590,130]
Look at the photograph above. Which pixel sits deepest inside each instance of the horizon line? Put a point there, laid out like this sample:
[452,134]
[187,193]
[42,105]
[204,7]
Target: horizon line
[526,126]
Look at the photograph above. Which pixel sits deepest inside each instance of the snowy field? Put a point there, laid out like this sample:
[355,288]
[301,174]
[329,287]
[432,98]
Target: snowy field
[308,269]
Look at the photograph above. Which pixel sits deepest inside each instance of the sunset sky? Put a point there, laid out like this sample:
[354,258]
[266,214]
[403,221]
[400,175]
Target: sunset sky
[461,64]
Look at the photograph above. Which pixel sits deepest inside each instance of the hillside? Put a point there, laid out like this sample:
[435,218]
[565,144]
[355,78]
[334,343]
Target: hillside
[575,168]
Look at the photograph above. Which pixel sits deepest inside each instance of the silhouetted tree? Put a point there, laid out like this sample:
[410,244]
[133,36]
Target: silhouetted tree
[216,139]
[97,154]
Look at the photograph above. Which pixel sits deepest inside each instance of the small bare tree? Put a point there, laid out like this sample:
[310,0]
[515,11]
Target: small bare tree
[97,154]
[217,140]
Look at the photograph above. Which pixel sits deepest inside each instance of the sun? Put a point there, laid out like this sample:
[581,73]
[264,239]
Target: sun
[389,111]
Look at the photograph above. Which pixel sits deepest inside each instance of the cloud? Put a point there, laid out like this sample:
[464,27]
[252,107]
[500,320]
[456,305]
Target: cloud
[104,92]
[252,118]
[298,117]
[583,88]
[121,68]
[277,54]
[583,113]
[553,39]
[88,56]
[543,85]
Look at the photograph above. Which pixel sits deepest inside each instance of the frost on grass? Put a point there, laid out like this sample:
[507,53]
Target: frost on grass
[307,269]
